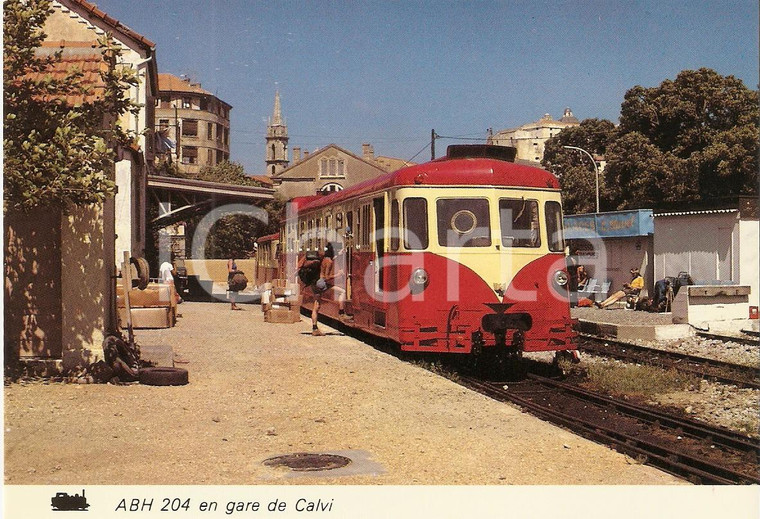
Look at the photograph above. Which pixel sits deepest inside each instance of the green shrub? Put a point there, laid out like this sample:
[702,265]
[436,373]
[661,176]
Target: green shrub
[642,380]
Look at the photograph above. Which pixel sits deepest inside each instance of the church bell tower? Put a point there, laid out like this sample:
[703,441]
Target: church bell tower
[277,140]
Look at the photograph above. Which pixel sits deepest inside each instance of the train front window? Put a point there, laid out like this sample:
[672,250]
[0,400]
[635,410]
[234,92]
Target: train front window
[463,222]
[554,226]
[519,222]
[415,224]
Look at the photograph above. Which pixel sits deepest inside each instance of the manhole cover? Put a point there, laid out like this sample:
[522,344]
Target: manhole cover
[304,461]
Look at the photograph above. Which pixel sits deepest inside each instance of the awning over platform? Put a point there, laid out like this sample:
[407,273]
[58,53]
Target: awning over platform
[619,224]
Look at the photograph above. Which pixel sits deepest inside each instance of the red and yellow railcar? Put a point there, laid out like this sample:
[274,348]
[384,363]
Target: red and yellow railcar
[267,259]
[463,254]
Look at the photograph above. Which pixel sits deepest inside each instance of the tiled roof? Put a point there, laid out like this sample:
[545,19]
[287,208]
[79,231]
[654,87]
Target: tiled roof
[89,64]
[263,179]
[92,9]
[172,83]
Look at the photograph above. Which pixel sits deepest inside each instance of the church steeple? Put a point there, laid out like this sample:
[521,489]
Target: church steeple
[277,140]
[277,115]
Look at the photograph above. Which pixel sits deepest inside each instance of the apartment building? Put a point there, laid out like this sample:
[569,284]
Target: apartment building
[192,124]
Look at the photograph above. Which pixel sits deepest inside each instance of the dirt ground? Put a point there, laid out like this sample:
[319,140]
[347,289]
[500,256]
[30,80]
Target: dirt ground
[259,390]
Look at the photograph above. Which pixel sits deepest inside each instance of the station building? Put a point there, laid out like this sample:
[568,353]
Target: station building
[60,262]
[715,246]
[610,244]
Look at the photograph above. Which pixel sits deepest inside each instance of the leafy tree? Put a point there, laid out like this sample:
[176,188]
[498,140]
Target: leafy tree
[645,176]
[687,140]
[685,115]
[224,172]
[233,235]
[56,153]
[574,169]
[703,132]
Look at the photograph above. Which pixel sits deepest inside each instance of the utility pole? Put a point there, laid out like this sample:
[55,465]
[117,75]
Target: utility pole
[432,144]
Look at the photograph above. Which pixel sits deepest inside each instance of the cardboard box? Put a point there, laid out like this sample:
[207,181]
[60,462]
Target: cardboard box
[160,317]
[283,288]
[282,315]
[287,303]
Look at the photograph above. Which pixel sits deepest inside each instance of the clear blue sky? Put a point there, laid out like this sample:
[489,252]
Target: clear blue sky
[388,72]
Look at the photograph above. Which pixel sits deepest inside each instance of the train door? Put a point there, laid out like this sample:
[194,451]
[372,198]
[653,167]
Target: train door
[378,205]
[350,241]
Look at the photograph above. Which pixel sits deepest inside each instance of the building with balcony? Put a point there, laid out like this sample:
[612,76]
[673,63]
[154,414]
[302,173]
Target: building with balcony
[192,125]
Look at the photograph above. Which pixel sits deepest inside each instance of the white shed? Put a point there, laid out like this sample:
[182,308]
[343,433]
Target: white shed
[716,246]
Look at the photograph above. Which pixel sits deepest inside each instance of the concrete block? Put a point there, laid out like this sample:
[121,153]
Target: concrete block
[700,305]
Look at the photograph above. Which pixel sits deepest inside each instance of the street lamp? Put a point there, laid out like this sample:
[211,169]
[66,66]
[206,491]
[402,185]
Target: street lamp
[596,168]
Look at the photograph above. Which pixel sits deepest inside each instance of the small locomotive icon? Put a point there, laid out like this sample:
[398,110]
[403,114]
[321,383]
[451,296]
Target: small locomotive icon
[63,501]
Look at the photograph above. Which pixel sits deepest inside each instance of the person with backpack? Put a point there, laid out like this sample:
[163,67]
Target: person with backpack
[236,281]
[309,271]
[334,275]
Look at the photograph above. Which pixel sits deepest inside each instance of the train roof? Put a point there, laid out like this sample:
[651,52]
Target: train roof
[457,170]
[268,237]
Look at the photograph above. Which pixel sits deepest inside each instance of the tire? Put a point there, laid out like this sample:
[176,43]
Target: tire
[163,376]
[143,272]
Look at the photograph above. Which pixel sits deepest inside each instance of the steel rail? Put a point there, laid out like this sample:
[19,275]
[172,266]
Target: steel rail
[749,341]
[751,375]
[678,463]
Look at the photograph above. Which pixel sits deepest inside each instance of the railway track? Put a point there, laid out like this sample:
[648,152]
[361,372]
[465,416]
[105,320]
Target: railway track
[693,450]
[726,372]
[751,339]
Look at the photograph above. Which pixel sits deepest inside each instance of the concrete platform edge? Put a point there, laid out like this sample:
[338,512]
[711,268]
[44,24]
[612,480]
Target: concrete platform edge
[634,332]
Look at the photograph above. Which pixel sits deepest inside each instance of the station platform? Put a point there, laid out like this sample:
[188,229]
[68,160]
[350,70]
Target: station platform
[631,325]
[262,390]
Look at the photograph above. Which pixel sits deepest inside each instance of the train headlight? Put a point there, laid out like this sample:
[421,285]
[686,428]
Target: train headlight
[560,277]
[419,280]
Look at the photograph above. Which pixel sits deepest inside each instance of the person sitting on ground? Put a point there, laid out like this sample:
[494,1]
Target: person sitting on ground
[629,289]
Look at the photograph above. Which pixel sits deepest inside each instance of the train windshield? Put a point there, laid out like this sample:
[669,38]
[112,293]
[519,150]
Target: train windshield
[463,222]
[554,226]
[519,222]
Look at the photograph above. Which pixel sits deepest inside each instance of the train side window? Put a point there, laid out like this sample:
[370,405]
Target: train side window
[519,222]
[463,222]
[366,226]
[358,231]
[310,234]
[415,224]
[554,226]
[395,232]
